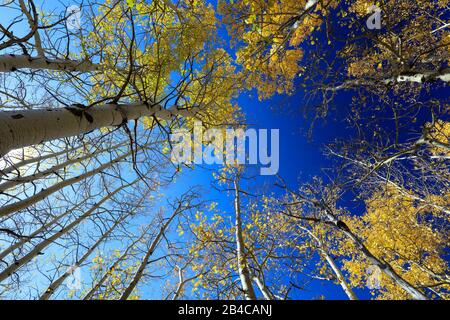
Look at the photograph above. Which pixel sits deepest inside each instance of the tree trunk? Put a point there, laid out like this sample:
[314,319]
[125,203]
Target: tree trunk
[20,180]
[384,266]
[140,272]
[11,62]
[264,290]
[37,232]
[55,284]
[244,273]
[45,243]
[18,165]
[24,128]
[337,271]
[33,26]
[180,286]
[94,289]
[340,277]
[412,77]
[11,208]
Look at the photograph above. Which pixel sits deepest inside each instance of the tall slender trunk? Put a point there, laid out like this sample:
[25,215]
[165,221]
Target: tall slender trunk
[140,271]
[20,180]
[11,208]
[24,128]
[38,159]
[264,290]
[114,266]
[339,276]
[11,63]
[57,283]
[180,286]
[385,267]
[336,270]
[244,273]
[45,243]
[413,77]
[38,231]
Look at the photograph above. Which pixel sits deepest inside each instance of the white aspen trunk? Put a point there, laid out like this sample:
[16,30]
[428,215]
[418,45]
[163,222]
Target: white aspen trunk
[11,208]
[396,186]
[422,77]
[310,3]
[11,63]
[116,263]
[309,7]
[180,286]
[46,242]
[264,290]
[181,283]
[57,283]
[20,180]
[18,165]
[140,271]
[336,270]
[24,128]
[385,267]
[417,77]
[37,232]
[339,276]
[244,273]
[437,144]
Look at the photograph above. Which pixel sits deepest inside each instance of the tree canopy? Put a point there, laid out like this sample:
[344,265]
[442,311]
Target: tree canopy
[93,205]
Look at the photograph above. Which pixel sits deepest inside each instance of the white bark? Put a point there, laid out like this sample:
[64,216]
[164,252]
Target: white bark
[244,273]
[309,7]
[55,284]
[422,77]
[140,271]
[181,283]
[441,27]
[37,232]
[413,77]
[336,270]
[339,276]
[11,62]
[11,208]
[180,286]
[114,266]
[386,268]
[310,3]
[38,159]
[264,290]
[33,26]
[20,180]
[23,128]
[13,267]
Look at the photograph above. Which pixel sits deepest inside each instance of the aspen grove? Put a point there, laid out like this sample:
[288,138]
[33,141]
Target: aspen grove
[94,207]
